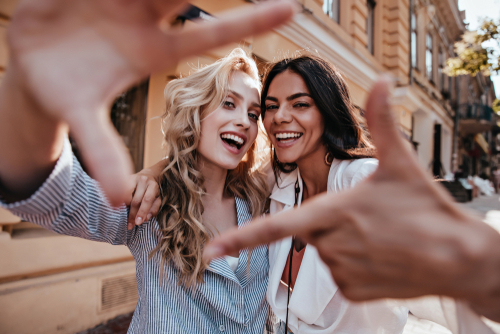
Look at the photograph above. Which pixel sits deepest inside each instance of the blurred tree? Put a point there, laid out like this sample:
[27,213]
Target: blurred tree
[496,106]
[473,55]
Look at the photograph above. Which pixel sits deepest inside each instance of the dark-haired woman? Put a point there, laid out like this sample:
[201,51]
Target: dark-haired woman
[319,145]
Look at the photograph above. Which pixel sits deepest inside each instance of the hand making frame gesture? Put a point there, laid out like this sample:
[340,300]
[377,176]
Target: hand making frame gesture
[69,60]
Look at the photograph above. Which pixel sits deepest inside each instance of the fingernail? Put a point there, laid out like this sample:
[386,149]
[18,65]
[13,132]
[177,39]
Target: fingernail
[148,217]
[212,252]
[138,221]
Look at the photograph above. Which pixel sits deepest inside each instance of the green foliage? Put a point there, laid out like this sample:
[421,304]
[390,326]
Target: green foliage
[473,56]
[496,106]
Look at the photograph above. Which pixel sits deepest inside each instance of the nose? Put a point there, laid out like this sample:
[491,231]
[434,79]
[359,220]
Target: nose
[282,115]
[242,120]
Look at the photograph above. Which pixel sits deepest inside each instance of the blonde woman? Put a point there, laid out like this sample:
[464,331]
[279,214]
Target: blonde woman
[210,127]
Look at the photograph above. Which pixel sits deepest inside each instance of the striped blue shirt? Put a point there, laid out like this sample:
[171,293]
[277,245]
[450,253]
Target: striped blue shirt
[71,203]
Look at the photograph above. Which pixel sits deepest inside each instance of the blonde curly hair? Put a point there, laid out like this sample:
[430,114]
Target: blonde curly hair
[188,101]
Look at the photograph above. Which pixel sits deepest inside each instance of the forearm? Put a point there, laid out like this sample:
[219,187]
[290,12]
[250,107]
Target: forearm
[71,203]
[31,141]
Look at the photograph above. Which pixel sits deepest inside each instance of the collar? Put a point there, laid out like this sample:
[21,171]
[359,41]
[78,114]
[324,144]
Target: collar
[284,189]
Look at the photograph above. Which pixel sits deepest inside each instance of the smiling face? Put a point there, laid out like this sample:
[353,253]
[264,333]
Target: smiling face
[292,120]
[230,130]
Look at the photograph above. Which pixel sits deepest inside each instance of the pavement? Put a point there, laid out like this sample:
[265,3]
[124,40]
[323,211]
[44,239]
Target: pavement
[486,206]
[118,325]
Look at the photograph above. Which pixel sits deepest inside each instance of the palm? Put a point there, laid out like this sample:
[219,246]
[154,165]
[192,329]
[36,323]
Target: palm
[74,57]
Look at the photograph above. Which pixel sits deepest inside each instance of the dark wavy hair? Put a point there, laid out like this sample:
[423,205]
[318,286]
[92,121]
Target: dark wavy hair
[345,133]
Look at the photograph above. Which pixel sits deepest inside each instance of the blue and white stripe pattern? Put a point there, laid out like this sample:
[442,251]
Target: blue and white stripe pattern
[71,203]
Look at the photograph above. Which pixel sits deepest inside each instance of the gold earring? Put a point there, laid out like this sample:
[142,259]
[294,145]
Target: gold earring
[328,158]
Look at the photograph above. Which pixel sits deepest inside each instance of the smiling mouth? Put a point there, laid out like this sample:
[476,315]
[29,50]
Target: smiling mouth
[233,140]
[287,137]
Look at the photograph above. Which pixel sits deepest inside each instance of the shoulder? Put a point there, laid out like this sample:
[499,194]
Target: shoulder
[346,173]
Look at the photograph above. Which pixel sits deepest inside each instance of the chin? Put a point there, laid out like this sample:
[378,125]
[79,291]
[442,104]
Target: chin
[229,164]
[287,159]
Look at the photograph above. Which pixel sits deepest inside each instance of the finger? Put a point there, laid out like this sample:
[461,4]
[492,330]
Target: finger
[304,221]
[154,209]
[135,204]
[146,204]
[131,190]
[386,136]
[104,153]
[231,27]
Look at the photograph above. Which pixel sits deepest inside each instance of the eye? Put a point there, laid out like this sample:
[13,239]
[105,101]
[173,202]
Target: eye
[271,107]
[254,117]
[301,105]
[228,105]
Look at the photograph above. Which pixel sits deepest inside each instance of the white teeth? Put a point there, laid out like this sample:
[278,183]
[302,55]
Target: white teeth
[288,135]
[233,138]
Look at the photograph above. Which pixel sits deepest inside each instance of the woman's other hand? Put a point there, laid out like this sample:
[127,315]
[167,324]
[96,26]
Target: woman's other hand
[144,196]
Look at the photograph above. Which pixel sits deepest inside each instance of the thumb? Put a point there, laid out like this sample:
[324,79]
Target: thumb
[391,147]
[104,153]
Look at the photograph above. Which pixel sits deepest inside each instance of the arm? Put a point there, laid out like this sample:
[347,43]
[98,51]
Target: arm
[69,202]
[396,235]
[65,70]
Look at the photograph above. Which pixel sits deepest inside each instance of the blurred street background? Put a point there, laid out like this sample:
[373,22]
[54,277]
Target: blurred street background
[57,284]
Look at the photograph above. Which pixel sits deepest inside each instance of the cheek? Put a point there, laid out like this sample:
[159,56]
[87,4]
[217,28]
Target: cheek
[267,123]
[253,134]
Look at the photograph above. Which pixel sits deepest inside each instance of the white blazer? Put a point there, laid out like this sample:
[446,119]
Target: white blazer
[317,307]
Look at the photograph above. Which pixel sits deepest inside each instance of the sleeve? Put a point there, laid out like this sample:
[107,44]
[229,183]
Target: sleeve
[71,203]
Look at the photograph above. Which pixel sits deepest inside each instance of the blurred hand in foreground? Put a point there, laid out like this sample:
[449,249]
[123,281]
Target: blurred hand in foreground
[396,235]
[69,60]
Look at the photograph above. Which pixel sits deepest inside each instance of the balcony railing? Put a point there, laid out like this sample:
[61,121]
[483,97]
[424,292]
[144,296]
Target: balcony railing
[476,111]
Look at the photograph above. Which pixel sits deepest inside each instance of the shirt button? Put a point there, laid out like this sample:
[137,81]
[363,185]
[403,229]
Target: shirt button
[222,328]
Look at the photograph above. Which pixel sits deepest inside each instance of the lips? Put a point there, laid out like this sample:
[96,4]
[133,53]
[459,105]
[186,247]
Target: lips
[287,138]
[233,141]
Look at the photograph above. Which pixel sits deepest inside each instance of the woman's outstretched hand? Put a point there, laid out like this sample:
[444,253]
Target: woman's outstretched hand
[398,234]
[69,60]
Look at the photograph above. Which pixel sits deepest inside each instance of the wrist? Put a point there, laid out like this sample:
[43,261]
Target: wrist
[34,139]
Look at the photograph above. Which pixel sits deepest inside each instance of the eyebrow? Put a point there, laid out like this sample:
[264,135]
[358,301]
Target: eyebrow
[236,94]
[290,98]
[239,97]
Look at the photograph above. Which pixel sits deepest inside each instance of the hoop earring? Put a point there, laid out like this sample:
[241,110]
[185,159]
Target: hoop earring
[328,158]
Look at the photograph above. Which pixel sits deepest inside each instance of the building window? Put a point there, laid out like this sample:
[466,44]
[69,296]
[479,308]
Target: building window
[442,75]
[414,52]
[370,21]
[128,115]
[428,57]
[332,9]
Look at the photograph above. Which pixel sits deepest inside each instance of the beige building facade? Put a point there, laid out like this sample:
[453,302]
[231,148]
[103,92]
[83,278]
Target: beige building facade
[58,284]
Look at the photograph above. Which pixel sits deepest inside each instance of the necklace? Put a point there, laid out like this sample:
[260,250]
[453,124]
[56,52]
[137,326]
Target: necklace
[297,192]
